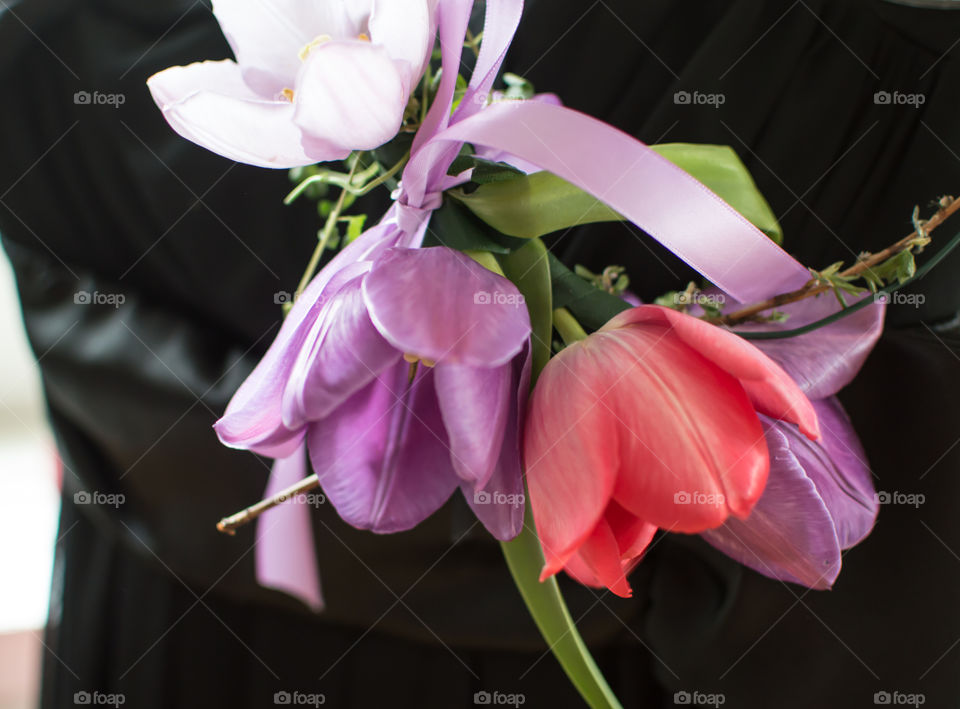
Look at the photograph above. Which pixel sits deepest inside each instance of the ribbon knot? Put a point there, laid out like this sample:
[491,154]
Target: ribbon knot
[411,218]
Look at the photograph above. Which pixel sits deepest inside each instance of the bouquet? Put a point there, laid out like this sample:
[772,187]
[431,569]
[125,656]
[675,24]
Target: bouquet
[444,350]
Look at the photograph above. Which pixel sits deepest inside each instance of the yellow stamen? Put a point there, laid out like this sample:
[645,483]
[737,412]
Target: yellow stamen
[288,94]
[313,44]
[416,359]
[363,37]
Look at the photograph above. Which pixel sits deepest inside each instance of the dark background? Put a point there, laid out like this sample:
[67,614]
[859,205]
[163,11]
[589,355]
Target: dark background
[151,602]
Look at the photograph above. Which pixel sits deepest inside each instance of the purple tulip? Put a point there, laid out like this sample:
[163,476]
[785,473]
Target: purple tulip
[820,498]
[406,375]
[312,81]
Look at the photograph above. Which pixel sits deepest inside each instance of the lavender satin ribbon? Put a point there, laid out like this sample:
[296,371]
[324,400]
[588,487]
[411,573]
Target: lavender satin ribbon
[644,187]
[285,558]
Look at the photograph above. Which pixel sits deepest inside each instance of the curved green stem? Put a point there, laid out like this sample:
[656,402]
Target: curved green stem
[545,603]
[568,326]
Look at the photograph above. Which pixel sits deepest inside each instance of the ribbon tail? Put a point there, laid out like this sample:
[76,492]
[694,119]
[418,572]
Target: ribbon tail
[285,556]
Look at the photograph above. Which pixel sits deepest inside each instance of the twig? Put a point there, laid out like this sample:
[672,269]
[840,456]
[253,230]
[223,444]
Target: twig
[948,205]
[229,525]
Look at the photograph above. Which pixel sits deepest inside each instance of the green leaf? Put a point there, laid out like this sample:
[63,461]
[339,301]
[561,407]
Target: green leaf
[719,168]
[518,87]
[528,206]
[453,226]
[354,226]
[591,305]
[529,268]
[545,603]
[484,171]
[534,205]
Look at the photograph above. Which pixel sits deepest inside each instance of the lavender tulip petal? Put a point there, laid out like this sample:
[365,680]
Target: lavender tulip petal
[405,28]
[254,417]
[838,466]
[823,361]
[502,513]
[266,36]
[789,535]
[209,104]
[440,304]
[285,557]
[474,402]
[342,354]
[383,462]
[351,94]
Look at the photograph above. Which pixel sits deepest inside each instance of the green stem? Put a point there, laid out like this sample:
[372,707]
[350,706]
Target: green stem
[546,605]
[383,178]
[325,234]
[568,327]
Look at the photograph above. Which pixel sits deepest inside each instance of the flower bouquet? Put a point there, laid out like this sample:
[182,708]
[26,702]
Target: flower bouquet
[444,348]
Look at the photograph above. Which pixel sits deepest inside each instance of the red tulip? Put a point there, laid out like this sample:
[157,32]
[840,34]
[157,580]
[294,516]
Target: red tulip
[650,422]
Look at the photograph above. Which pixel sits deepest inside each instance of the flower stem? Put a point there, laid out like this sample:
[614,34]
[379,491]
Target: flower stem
[570,330]
[549,611]
[328,228]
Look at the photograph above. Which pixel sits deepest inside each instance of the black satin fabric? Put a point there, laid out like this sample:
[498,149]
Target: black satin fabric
[149,600]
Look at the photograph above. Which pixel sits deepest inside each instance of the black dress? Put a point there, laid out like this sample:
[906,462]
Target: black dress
[151,602]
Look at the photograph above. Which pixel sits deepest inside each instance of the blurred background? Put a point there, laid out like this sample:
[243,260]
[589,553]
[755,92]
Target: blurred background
[29,506]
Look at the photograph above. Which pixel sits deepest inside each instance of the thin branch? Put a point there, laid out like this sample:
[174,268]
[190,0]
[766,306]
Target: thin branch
[229,525]
[948,205]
